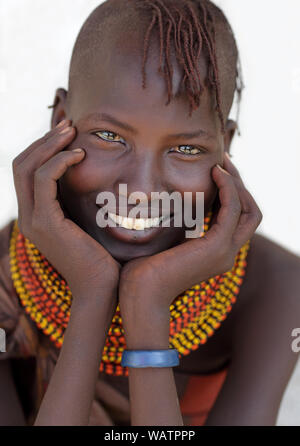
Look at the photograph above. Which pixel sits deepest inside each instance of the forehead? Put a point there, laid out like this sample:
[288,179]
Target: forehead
[113,85]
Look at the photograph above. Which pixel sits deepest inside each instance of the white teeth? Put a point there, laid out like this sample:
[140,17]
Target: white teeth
[139,224]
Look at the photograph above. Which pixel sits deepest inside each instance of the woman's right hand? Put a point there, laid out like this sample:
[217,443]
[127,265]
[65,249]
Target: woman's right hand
[83,262]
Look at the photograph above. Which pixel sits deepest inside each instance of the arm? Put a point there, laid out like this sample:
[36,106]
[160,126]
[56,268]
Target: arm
[263,360]
[71,390]
[148,286]
[92,274]
[152,390]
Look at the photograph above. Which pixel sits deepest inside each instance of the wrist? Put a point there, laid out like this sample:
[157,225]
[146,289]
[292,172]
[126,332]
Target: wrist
[102,283]
[140,343]
[97,298]
[146,327]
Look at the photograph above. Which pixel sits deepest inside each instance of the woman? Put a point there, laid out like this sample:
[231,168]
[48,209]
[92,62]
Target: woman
[104,291]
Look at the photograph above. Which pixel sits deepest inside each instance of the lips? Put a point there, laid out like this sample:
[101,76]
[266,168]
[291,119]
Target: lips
[136,224]
[134,230]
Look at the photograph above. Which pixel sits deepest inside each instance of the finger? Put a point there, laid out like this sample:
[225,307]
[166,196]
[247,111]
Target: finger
[215,210]
[244,195]
[41,154]
[45,179]
[230,167]
[23,155]
[250,219]
[230,206]
[24,193]
[24,172]
[251,215]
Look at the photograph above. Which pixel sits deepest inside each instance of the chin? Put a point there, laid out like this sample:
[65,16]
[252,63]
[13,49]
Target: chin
[125,254]
[123,250]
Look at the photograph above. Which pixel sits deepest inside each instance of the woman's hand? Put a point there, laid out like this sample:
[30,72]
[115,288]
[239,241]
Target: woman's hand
[82,261]
[152,283]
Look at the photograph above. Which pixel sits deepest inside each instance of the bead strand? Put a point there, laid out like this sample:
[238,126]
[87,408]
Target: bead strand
[195,314]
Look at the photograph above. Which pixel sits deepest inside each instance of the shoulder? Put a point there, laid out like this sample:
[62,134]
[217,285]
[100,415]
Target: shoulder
[274,254]
[6,286]
[263,358]
[9,304]
[272,281]
[264,330]
[278,270]
[5,233]
[271,269]
[274,287]
[20,333]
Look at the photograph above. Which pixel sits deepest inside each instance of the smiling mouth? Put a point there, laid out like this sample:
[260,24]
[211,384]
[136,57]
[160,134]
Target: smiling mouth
[137,224]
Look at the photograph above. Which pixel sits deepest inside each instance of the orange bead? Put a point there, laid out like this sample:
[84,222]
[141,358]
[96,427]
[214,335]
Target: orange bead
[196,313]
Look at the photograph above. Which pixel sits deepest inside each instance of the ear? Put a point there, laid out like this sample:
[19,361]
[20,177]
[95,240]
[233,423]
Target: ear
[231,127]
[59,107]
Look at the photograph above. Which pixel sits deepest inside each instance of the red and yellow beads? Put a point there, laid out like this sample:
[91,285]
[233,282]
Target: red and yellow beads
[194,314]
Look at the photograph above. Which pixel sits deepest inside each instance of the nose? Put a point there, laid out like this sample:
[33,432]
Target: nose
[143,175]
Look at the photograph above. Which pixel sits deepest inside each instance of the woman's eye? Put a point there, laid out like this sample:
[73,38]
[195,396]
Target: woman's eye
[189,150]
[113,137]
[110,136]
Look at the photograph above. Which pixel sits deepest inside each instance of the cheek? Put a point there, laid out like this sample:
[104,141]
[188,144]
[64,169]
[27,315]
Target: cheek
[201,182]
[88,176]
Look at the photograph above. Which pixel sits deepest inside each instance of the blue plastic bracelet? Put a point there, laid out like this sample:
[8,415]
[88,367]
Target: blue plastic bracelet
[150,358]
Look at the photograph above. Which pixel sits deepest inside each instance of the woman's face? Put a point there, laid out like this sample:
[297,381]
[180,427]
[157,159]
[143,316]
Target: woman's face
[129,137]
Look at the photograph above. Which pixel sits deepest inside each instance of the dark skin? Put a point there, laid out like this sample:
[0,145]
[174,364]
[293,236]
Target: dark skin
[256,334]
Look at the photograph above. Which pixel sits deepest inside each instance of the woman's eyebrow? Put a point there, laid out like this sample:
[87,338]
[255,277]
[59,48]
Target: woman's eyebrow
[97,116]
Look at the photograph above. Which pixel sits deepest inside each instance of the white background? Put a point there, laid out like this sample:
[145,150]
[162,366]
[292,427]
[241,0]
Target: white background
[36,40]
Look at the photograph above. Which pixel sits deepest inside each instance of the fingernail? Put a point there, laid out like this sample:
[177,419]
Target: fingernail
[66,130]
[221,168]
[62,123]
[77,150]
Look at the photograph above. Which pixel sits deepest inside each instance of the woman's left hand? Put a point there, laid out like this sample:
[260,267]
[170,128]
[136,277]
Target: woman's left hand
[150,284]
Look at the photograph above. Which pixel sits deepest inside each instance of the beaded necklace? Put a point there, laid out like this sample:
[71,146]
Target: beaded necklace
[194,315]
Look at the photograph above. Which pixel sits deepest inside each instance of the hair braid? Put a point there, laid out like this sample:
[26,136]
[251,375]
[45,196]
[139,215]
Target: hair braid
[193,35]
